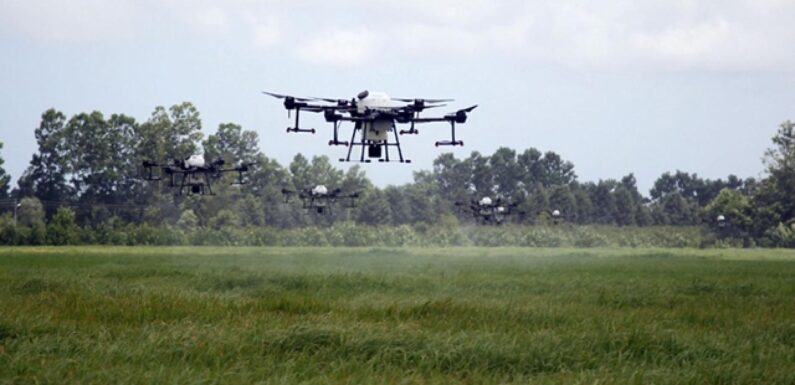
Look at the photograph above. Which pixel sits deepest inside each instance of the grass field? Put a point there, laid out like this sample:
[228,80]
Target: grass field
[469,315]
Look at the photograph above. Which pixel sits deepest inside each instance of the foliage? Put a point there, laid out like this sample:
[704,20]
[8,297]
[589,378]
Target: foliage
[63,230]
[5,179]
[91,163]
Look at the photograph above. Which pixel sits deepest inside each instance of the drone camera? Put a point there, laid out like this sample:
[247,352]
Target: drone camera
[374,151]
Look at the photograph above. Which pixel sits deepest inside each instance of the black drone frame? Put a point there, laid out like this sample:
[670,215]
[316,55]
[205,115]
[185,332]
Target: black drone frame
[197,180]
[489,214]
[320,203]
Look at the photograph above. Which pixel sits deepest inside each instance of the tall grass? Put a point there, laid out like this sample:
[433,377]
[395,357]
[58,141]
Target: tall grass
[385,315]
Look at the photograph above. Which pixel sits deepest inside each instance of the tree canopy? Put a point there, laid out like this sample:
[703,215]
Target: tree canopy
[89,163]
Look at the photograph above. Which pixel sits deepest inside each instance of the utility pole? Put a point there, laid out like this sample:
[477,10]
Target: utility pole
[15,211]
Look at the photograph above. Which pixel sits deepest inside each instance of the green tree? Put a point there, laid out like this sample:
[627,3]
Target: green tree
[556,171]
[188,220]
[482,179]
[678,210]
[532,169]
[563,200]
[374,208]
[780,162]
[625,207]
[225,218]
[30,212]
[506,172]
[5,179]
[452,179]
[46,176]
[398,204]
[736,210]
[99,157]
[603,201]
[583,204]
[62,229]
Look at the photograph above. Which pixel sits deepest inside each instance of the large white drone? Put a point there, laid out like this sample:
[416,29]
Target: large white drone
[374,116]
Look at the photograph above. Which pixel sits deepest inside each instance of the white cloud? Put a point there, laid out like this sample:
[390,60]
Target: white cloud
[340,48]
[265,34]
[750,35]
[212,19]
[88,21]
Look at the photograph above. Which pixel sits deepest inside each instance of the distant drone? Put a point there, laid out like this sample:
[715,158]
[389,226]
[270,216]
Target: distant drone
[320,199]
[556,218]
[374,116]
[488,211]
[193,174]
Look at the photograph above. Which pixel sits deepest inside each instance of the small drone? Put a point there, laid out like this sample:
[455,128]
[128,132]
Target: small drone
[374,116]
[320,199]
[194,174]
[488,211]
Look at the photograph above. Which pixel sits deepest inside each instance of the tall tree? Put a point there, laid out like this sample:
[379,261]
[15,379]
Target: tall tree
[603,200]
[563,200]
[5,179]
[452,178]
[232,144]
[780,161]
[46,176]
[506,171]
[99,157]
[556,171]
[482,180]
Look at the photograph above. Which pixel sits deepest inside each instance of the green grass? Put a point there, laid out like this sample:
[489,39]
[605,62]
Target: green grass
[456,315]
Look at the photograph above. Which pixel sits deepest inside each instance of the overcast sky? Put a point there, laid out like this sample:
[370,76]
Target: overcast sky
[614,86]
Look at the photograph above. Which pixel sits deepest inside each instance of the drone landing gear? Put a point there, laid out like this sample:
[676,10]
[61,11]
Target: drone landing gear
[195,187]
[298,128]
[451,142]
[336,141]
[375,149]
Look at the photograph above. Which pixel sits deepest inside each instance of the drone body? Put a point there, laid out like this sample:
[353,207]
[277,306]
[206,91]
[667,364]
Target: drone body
[319,199]
[375,116]
[193,175]
[489,211]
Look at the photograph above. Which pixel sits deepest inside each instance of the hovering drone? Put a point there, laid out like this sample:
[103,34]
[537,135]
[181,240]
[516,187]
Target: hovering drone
[374,116]
[193,174]
[488,211]
[319,198]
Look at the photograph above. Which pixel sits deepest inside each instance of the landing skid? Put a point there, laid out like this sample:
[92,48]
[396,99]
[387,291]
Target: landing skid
[382,145]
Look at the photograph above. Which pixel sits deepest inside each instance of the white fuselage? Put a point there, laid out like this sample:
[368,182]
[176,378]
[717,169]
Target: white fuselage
[376,100]
[377,129]
[319,190]
[195,161]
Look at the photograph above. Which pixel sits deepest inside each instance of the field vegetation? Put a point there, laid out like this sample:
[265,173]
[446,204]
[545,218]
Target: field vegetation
[396,315]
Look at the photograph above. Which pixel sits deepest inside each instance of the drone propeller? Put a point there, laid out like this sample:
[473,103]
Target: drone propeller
[280,96]
[422,100]
[468,109]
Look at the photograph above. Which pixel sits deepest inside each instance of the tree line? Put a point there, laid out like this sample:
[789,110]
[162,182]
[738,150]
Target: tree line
[89,165]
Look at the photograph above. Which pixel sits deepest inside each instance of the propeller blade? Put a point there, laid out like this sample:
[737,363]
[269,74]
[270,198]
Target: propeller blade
[280,96]
[468,109]
[435,105]
[412,100]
